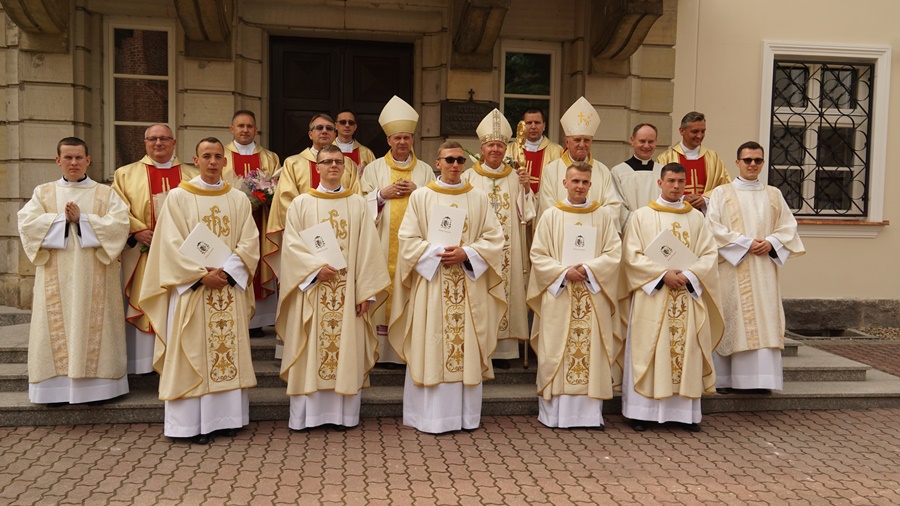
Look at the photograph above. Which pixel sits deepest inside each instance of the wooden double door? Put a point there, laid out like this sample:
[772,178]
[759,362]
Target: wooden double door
[310,76]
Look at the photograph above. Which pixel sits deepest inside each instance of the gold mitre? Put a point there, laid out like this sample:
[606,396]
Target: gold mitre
[398,116]
[580,119]
[494,127]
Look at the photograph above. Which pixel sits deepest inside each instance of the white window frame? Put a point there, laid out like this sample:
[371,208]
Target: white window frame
[109,133]
[881,57]
[535,47]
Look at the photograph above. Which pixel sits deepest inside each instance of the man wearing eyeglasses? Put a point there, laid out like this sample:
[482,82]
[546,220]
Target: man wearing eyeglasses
[346,127]
[756,233]
[447,300]
[388,183]
[298,176]
[144,185]
[705,170]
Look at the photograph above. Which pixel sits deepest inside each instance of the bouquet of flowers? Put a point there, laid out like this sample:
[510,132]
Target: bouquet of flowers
[259,188]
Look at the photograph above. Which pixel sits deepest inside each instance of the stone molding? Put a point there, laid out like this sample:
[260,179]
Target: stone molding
[477,29]
[618,28]
[207,27]
[44,24]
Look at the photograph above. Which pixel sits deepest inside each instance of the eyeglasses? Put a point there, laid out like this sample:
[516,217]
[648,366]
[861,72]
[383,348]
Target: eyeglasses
[161,139]
[327,128]
[748,161]
[346,122]
[450,159]
[330,161]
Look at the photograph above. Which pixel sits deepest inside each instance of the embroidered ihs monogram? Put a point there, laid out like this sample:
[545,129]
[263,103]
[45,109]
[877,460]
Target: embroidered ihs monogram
[221,226]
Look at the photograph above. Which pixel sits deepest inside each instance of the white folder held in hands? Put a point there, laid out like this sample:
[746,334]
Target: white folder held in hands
[204,247]
[323,243]
[669,252]
[445,225]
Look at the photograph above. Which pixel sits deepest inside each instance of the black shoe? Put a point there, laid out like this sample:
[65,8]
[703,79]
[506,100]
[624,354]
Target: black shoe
[390,366]
[752,391]
[227,432]
[501,363]
[691,427]
[56,404]
[600,427]
[638,425]
[257,332]
[200,439]
[723,391]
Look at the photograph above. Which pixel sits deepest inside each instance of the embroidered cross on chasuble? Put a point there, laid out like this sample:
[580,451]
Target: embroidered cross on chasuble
[695,173]
[161,181]
[533,164]
[244,164]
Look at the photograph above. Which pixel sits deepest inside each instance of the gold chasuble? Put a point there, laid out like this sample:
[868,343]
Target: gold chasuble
[381,173]
[202,341]
[297,177]
[535,161]
[76,320]
[698,184]
[446,329]
[514,209]
[602,188]
[672,334]
[574,333]
[326,346]
[144,188]
[751,292]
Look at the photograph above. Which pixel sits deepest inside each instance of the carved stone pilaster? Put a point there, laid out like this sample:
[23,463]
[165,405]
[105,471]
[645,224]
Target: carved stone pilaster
[477,28]
[207,27]
[618,28]
[43,24]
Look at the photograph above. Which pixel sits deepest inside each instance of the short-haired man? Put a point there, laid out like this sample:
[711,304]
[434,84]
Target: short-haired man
[323,316]
[756,233]
[346,128]
[705,170]
[512,200]
[668,364]
[298,176]
[244,155]
[580,123]
[447,301]
[144,185]
[200,312]
[73,230]
[537,149]
[636,178]
[574,307]
[390,180]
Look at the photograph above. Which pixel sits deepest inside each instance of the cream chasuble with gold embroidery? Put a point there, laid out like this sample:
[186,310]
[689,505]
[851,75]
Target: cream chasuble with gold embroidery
[514,208]
[602,188]
[672,335]
[379,174]
[298,176]
[202,342]
[751,293]
[326,346]
[574,332]
[77,330]
[716,173]
[446,329]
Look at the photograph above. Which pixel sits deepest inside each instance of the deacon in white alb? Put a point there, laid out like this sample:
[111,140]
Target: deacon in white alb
[635,178]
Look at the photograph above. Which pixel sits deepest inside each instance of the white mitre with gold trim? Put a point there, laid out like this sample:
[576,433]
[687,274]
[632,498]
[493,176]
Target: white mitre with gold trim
[494,127]
[398,116]
[580,119]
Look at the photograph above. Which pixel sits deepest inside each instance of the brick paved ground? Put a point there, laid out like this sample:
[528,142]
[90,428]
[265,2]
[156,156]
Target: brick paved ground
[882,355]
[804,457]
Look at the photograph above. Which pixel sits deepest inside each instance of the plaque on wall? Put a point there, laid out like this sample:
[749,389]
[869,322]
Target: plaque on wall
[461,117]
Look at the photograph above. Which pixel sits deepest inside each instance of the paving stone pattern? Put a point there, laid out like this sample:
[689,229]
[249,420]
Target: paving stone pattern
[800,457]
[882,355]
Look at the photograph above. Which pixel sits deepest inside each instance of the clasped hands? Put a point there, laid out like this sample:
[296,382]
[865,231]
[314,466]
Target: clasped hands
[73,212]
[576,273]
[215,279]
[760,247]
[400,189]
[675,279]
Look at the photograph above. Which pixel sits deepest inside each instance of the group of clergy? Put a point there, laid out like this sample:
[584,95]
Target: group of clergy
[350,265]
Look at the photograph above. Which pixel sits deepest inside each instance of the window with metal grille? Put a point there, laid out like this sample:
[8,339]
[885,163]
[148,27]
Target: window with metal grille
[819,144]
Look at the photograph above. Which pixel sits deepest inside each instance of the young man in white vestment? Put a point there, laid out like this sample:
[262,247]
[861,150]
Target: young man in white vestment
[323,313]
[200,312]
[448,300]
[244,155]
[756,233]
[510,196]
[672,315]
[389,181]
[574,307]
[73,231]
[636,178]
[580,123]
[144,185]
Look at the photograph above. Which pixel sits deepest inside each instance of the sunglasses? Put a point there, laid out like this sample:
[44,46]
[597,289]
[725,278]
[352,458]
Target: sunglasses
[748,161]
[346,122]
[327,128]
[451,159]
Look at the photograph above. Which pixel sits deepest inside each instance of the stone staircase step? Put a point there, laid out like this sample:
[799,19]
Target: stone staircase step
[14,316]
[14,343]
[818,365]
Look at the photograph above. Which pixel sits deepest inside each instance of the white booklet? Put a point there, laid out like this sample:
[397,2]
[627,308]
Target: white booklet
[321,240]
[445,226]
[669,252]
[204,247]
[579,245]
